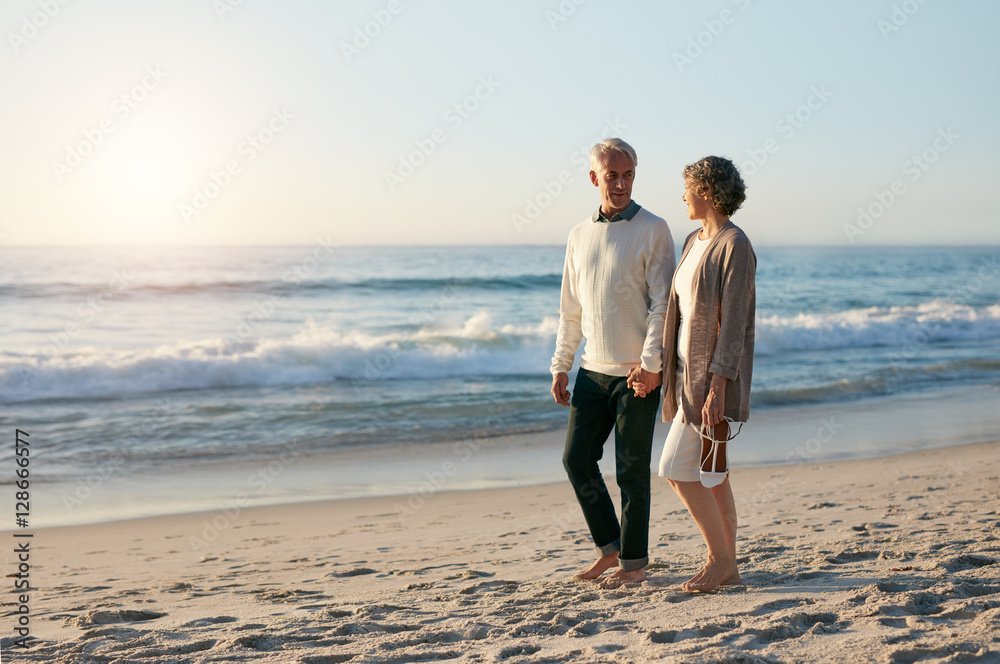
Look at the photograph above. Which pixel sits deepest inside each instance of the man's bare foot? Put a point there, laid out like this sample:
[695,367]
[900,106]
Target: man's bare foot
[621,578]
[603,564]
[715,573]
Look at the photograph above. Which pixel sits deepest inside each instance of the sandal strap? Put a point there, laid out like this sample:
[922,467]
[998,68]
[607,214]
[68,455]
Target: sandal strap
[715,444]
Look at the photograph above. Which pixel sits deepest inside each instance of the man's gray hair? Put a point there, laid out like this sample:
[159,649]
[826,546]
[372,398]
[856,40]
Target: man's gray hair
[599,153]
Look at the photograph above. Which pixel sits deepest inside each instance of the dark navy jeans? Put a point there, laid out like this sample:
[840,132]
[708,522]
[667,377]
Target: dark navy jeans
[600,404]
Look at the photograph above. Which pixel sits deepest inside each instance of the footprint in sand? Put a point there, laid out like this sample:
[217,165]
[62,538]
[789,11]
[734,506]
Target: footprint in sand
[780,604]
[868,527]
[849,556]
[419,586]
[205,622]
[893,586]
[666,636]
[170,651]
[796,625]
[469,574]
[969,561]
[694,632]
[358,571]
[338,613]
[967,652]
[591,627]
[490,586]
[109,617]
[328,659]
[179,587]
[516,651]
[285,596]
[921,603]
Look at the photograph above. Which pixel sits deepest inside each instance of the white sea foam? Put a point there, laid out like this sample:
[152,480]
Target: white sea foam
[477,347]
[900,327]
[314,354]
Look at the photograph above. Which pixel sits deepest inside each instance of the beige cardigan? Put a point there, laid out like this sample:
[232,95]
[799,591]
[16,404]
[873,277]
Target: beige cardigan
[722,328]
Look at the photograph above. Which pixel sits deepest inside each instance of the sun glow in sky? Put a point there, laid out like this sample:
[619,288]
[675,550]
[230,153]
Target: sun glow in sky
[390,122]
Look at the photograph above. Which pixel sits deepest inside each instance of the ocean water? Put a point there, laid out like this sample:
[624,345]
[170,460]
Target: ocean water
[161,359]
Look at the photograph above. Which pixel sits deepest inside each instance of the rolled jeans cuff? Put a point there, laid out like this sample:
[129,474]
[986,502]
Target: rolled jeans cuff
[608,549]
[632,565]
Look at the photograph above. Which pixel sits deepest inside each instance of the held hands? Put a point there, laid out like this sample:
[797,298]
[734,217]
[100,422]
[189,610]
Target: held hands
[643,382]
[559,392]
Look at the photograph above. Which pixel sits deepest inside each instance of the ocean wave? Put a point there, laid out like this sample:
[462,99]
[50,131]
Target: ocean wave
[315,354]
[905,328]
[523,282]
[476,347]
[884,381]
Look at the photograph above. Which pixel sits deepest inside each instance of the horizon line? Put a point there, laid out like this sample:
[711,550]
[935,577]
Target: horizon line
[460,245]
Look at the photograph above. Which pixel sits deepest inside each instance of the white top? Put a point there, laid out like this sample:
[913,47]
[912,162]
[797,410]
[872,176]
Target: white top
[616,279]
[684,285]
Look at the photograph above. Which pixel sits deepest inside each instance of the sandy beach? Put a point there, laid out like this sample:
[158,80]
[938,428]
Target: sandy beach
[893,559]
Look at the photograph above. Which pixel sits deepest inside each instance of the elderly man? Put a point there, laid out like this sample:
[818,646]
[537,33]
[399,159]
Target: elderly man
[616,279]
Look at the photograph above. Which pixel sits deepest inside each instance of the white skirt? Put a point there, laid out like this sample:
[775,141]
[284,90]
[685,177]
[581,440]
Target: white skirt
[681,457]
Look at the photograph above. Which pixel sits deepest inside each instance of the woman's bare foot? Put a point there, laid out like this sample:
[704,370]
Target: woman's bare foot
[603,564]
[715,573]
[621,578]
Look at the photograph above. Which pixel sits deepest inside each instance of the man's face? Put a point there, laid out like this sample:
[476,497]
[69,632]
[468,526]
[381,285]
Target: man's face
[614,180]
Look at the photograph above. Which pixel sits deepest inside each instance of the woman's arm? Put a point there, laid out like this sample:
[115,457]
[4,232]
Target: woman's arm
[735,312]
[715,404]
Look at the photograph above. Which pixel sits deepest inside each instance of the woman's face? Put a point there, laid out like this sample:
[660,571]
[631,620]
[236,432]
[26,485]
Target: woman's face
[697,206]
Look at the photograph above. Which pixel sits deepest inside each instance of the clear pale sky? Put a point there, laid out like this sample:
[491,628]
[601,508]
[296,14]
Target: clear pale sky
[119,119]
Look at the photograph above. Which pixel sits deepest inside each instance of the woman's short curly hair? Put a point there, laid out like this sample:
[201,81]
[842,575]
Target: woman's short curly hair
[717,179]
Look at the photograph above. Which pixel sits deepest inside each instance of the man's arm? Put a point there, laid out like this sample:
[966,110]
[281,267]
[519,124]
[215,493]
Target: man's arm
[660,267]
[560,382]
[570,331]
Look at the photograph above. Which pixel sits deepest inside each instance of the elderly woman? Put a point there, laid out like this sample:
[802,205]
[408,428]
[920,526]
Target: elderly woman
[708,359]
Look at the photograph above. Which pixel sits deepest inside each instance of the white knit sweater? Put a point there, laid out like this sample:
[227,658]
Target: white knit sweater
[616,279]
